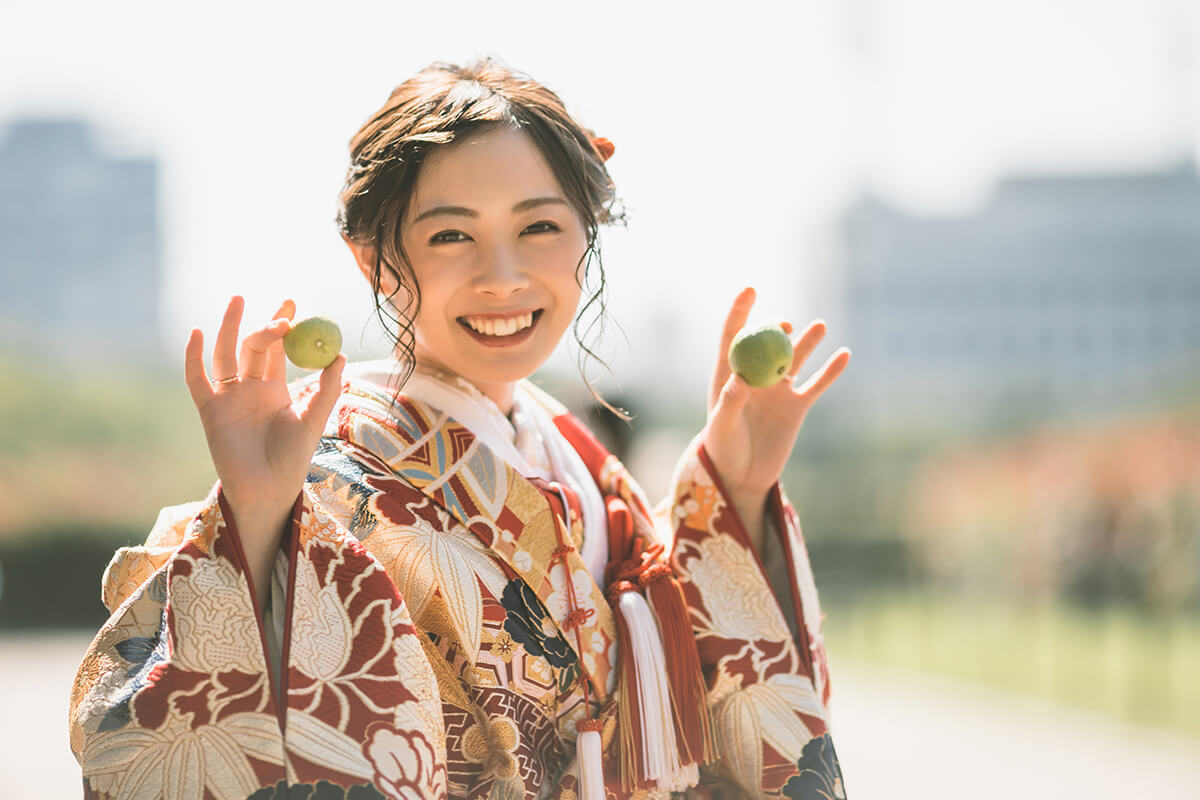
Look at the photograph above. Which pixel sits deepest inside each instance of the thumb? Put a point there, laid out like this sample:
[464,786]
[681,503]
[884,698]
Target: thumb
[320,403]
[730,402]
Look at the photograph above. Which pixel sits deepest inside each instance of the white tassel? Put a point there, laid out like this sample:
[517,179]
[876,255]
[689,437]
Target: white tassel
[591,766]
[659,748]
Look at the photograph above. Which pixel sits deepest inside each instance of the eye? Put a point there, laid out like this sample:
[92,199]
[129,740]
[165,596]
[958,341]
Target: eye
[448,237]
[545,226]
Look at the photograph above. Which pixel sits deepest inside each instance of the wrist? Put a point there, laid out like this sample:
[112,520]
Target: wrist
[751,510]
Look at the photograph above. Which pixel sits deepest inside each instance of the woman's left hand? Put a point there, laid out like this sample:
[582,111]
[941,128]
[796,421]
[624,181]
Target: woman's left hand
[751,432]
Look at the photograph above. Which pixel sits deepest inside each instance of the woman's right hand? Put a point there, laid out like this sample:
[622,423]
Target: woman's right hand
[261,444]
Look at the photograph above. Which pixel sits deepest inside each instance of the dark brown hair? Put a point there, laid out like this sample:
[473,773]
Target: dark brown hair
[439,105]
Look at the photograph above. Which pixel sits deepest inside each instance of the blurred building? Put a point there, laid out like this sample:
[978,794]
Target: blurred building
[1061,295]
[79,243]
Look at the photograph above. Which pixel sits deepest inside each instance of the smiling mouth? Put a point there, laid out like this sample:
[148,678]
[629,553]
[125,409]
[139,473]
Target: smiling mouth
[501,330]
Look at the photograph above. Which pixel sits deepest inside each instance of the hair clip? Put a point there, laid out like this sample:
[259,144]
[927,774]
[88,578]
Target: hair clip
[604,147]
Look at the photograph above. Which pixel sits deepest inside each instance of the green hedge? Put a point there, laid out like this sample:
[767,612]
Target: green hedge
[50,577]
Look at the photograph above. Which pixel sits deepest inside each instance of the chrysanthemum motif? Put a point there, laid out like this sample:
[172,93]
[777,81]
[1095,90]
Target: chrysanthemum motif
[406,764]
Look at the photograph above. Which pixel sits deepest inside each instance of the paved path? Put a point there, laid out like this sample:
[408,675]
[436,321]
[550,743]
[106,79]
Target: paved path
[897,736]
[903,736]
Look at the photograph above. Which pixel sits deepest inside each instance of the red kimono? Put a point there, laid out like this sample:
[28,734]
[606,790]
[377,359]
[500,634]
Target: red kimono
[425,647]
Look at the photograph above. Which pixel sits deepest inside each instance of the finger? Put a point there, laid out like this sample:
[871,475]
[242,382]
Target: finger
[320,403]
[225,350]
[730,402]
[256,346]
[193,370]
[734,322]
[805,345]
[276,367]
[815,386]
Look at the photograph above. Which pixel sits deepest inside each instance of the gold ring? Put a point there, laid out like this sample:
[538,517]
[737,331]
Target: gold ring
[224,380]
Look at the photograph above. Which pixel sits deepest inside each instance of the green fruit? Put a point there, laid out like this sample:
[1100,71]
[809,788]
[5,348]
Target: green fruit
[313,343]
[762,357]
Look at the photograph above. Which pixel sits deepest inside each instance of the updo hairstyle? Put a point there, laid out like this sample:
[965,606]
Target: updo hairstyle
[441,104]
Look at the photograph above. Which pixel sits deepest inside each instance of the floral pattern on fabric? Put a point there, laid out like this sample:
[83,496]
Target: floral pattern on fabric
[528,622]
[425,650]
[190,711]
[323,790]
[765,702]
[819,775]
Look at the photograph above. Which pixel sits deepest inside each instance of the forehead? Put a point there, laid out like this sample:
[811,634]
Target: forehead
[501,165]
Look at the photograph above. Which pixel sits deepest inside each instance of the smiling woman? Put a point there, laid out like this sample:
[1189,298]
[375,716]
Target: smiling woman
[496,251]
[390,152]
[422,577]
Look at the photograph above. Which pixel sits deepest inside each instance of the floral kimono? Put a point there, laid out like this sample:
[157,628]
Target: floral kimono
[429,632]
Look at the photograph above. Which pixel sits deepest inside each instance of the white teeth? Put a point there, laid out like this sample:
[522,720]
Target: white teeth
[491,326]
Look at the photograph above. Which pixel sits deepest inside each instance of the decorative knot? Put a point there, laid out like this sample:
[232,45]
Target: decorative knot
[604,147]
[579,616]
[589,724]
[651,554]
[618,588]
[562,550]
[655,572]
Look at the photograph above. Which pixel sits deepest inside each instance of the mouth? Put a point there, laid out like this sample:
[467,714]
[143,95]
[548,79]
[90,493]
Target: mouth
[496,330]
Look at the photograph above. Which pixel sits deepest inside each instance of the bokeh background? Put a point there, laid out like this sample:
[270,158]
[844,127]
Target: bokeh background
[994,203]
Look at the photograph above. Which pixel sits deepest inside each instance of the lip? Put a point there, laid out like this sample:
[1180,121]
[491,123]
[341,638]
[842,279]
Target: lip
[502,341]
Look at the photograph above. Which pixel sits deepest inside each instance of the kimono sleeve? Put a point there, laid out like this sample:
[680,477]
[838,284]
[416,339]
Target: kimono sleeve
[768,689]
[174,697]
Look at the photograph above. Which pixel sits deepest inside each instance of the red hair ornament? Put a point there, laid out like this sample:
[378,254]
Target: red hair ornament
[604,147]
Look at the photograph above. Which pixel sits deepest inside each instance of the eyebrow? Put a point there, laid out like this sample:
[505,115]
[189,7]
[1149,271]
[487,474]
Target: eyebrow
[460,211]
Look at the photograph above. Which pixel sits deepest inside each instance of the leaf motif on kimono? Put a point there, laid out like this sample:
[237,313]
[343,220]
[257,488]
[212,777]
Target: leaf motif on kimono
[775,705]
[144,780]
[422,559]
[257,734]
[227,771]
[113,752]
[185,769]
[324,744]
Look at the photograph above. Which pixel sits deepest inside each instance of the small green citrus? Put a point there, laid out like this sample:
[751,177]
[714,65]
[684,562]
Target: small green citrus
[313,343]
[762,357]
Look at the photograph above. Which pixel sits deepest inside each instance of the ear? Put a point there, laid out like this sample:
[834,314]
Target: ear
[364,256]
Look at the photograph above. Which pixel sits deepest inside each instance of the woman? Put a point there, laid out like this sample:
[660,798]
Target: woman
[449,588]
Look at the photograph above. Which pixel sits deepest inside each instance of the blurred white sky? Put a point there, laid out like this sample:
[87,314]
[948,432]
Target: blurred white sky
[742,129]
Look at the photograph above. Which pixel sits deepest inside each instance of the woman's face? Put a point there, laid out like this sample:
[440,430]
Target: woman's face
[494,245]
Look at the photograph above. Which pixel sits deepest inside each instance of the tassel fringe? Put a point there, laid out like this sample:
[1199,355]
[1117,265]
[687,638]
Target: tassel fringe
[659,762]
[689,696]
[591,760]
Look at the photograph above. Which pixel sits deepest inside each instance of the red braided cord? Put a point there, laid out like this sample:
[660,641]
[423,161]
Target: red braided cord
[577,616]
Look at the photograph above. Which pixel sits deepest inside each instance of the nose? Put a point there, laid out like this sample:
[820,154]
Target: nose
[500,274]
